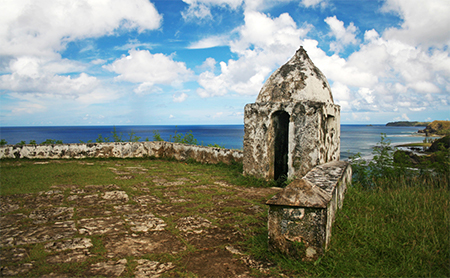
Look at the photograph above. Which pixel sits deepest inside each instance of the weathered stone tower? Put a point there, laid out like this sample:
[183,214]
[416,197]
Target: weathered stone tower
[294,124]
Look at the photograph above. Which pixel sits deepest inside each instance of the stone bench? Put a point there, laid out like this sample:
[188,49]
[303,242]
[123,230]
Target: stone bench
[301,216]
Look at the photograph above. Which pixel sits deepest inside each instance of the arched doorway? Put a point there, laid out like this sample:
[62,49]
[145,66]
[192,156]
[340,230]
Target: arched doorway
[280,123]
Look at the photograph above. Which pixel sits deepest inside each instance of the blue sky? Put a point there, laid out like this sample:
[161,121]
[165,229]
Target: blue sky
[177,62]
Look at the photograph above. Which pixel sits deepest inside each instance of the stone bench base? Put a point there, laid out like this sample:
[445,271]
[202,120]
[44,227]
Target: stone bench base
[301,216]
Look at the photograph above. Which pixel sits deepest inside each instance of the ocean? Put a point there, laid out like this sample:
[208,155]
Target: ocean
[354,138]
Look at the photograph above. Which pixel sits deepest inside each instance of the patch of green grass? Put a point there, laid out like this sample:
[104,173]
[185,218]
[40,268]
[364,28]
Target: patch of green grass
[392,224]
[378,233]
[38,256]
[98,247]
[30,176]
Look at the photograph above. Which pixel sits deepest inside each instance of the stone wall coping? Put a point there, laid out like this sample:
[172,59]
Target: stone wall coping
[301,193]
[315,189]
[203,154]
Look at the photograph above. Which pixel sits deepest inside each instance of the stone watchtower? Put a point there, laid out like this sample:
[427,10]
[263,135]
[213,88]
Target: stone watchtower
[294,124]
[293,131]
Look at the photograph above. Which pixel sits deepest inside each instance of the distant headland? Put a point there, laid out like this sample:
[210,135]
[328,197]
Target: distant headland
[407,123]
[437,128]
[431,128]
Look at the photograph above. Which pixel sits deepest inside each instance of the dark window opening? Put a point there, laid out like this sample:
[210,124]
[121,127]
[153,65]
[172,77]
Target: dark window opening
[280,122]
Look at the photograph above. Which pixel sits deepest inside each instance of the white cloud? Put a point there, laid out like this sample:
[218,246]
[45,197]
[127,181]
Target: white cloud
[34,76]
[135,44]
[98,61]
[387,73]
[210,42]
[209,64]
[146,88]
[179,98]
[404,117]
[141,66]
[404,104]
[425,87]
[314,3]
[344,36]
[338,69]
[424,22]
[201,9]
[44,27]
[28,108]
[418,109]
[263,43]
[218,115]
[33,33]
[383,72]
[197,11]
[232,4]
[340,92]
[366,94]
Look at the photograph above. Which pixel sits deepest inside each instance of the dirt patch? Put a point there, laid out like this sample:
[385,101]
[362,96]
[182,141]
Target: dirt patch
[141,244]
[220,263]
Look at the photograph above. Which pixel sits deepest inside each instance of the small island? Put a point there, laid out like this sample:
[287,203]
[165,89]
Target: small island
[407,123]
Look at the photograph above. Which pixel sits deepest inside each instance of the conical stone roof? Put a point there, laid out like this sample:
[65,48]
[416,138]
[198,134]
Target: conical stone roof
[297,80]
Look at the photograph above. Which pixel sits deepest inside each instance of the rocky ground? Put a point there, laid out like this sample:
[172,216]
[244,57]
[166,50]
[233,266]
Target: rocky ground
[152,222]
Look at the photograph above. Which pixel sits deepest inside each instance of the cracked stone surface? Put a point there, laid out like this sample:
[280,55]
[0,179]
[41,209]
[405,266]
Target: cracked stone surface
[148,268]
[116,196]
[195,225]
[145,223]
[109,268]
[51,214]
[103,225]
[144,230]
[75,243]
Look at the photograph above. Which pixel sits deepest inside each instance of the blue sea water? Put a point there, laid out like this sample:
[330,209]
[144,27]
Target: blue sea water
[354,138]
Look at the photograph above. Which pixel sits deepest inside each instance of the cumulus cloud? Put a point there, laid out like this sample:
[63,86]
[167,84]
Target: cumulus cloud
[404,117]
[391,71]
[180,97]
[34,33]
[344,36]
[385,72]
[197,11]
[201,9]
[424,22]
[314,3]
[338,69]
[209,64]
[141,66]
[36,77]
[44,27]
[262,44]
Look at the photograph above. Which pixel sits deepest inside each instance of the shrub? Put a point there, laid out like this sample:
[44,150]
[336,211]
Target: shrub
[52,142]
[385,171]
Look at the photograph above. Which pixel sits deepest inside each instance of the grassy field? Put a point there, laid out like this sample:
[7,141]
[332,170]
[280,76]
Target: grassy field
[389,231]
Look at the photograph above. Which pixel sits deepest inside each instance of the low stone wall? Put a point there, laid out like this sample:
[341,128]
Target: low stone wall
[301,216]
[157,149]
